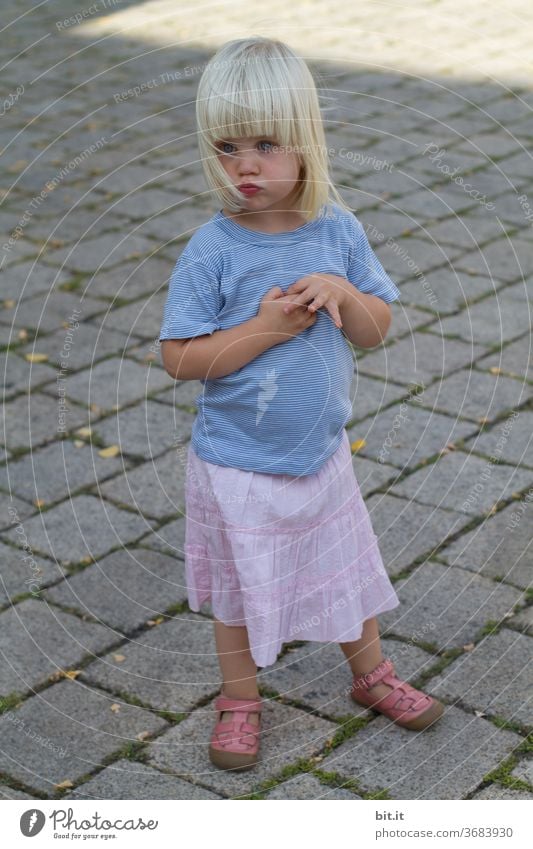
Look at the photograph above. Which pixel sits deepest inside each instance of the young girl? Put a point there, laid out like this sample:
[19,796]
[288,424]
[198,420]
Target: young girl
[260,307]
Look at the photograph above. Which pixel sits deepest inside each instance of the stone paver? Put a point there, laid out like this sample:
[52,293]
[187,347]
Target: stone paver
[23,572]
[308,787]
[100,197]
[287,734]
[155,489]
[504,657]
[447,761]
[79,528]
[171,667]
[57,471]
[39,640]
[146,430]
[124,589]
[404,435]
[407,530]
[419,359]
[134,780]
[498,548]
[476,396]
[74,728]
[446,606]
[463,482]
[114,383]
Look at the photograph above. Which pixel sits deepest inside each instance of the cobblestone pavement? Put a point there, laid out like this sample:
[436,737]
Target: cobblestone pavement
[107,680]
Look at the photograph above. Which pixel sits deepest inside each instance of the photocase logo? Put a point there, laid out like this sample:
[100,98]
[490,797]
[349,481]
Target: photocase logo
[31,822]
[268,390]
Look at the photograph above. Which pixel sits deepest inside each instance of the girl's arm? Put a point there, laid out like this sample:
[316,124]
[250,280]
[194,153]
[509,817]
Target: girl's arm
[223,352]
[365,318]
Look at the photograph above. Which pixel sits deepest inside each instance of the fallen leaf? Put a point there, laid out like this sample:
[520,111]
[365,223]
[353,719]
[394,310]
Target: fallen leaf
[36,358]
[79,443]
[469,647]
[495,370]
[71,673]
[115,708]
[9,304]
[142,735]
[22,334]
[359,443]
[112,451]
[157,621]
[39,502]
[479,713]
[63,785]
[84,431]
[119,658]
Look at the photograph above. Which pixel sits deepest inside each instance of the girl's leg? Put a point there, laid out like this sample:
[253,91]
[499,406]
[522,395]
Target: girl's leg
[239,672]
[365,653]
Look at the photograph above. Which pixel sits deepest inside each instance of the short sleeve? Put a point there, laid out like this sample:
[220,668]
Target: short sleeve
[193,300]
[365,270]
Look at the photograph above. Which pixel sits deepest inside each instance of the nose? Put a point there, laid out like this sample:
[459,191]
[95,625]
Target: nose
[248,162]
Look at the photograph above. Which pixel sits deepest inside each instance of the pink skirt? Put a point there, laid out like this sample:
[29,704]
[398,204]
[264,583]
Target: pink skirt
[291,558]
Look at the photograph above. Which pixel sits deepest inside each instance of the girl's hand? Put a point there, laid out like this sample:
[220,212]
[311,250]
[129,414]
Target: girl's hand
[273,317]
[318,290]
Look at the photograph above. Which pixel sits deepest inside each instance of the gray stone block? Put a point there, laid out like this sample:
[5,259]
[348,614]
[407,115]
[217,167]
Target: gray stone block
[308,787]
[114,383]
[154,489]
[73,728]
[524,771]
[508,441]
[513,359]
[493,320]
[476,395]
[35,419]
[26,279]
[318,675]
[182,394]
[57,471]
[497,791]
[287,734]
[370,396]
[146,430]
[171,667]
[523,620]
[124,589]
[502,259]
[419,358]
[407,255]
[130,279]
[463,483]
[24,572]
[89,345]
[169,539]
[102,251]
[126,779]
[497,548]
[13,510]
[445,292]
[495,677]
[404,435]
[82,527]
[141,319]
[406,319]
[21,376]
[38,640]
[370,475]
[407,530]
[447,606]
[48,312]
[467,231]
[446,761]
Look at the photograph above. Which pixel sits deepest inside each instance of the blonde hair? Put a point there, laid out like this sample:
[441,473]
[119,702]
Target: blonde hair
[259,87]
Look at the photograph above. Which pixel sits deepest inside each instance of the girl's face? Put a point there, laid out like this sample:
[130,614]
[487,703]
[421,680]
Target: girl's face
[261,162]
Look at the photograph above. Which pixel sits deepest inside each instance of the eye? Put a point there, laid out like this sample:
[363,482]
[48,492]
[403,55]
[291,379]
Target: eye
[223,145]
[270,144]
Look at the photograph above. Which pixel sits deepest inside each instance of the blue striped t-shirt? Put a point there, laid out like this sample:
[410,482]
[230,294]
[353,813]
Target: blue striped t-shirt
[284,412]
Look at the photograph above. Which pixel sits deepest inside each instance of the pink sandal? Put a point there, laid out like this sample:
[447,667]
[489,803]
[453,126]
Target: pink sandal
[235,744]
[404,705]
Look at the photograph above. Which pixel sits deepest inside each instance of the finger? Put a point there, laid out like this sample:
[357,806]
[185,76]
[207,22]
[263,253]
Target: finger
[296,301]
[333,309]
[297,286]
[318,302]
